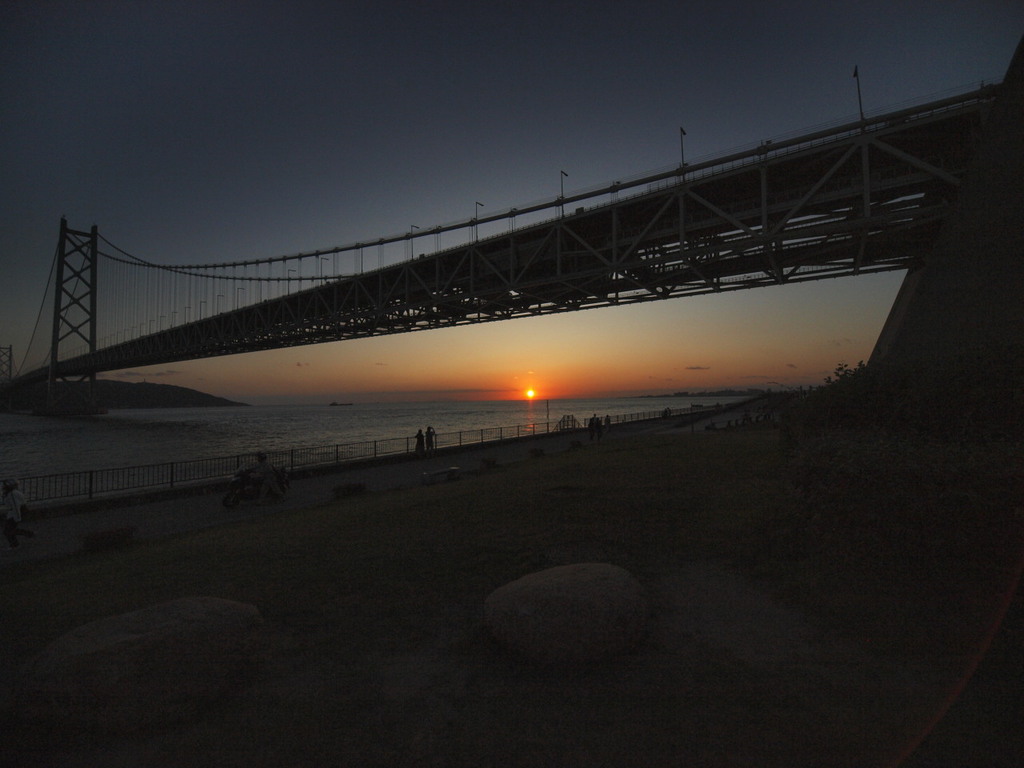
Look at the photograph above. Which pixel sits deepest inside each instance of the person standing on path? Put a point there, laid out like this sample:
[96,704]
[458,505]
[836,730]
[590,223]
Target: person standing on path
[13,505]
[420,448]
[431,434]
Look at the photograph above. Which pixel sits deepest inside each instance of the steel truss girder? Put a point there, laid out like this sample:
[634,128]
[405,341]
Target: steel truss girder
[824,205]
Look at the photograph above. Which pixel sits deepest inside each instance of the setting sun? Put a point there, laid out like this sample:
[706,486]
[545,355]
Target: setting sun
[530,394]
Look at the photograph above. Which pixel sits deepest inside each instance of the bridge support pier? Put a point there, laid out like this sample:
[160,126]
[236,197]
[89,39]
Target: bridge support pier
[967,298]
[962,312]
[74,322]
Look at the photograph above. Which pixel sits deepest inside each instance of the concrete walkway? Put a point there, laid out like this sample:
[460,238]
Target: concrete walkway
[190,511]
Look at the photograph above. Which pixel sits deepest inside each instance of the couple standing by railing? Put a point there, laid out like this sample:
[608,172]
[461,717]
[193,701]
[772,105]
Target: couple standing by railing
[426,443]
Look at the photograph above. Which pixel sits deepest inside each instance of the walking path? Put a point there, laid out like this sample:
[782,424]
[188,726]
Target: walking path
[63,535]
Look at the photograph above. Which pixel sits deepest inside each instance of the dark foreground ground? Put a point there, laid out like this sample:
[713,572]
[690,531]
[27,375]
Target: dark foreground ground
[765,648]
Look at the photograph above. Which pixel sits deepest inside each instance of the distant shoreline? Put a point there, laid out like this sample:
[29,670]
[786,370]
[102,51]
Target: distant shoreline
[716,393]
[124,395]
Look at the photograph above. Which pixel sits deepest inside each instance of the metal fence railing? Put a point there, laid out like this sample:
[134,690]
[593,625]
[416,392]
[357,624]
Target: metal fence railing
[89,484]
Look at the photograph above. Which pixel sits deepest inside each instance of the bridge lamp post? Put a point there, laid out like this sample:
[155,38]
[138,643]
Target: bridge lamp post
[476,212]
[561,192]
[187,309]
[412,249]
[238,290]
[216,303]
[860,103]
[202,304]
[322,260]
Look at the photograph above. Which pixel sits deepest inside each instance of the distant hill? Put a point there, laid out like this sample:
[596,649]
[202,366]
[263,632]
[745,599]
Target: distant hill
[123,394]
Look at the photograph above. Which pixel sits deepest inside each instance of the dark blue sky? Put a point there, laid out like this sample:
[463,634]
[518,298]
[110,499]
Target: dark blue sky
[214,131]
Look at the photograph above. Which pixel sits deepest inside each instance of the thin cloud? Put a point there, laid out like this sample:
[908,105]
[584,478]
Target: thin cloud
[698,368]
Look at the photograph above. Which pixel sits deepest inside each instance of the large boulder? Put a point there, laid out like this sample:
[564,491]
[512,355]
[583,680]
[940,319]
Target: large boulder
[153,665]
[575,613]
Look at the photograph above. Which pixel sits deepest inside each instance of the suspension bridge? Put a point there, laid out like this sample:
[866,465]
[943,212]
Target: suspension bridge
[855,198]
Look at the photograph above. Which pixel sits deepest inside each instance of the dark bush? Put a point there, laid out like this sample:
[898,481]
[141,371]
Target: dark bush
[963,399]
[899,464]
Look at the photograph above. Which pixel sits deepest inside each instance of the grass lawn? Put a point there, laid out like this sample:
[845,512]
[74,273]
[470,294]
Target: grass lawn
[767,646]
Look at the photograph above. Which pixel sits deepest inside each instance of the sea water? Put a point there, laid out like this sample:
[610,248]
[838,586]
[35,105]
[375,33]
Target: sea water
[37,445]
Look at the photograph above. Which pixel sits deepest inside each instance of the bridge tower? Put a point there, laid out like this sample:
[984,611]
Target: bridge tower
[6,372]
[74,321]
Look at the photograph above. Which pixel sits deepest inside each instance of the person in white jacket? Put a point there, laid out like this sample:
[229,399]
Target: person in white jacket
[13,506]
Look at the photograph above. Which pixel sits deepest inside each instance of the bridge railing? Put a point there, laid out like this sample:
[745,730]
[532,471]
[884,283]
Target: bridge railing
[91,484]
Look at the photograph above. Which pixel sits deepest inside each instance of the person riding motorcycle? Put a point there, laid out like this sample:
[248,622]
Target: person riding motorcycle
[265,473]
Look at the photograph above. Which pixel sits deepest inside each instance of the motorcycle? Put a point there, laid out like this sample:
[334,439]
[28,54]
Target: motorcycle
[246,485]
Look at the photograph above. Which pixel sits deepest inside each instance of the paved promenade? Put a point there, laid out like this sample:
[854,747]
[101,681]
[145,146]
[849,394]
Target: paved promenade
[180,513]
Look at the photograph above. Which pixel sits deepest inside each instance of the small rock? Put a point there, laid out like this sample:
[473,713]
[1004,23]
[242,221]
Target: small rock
[108,539]
[346,490]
